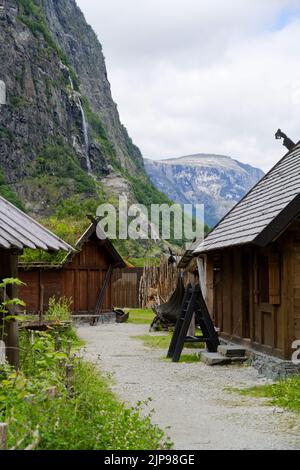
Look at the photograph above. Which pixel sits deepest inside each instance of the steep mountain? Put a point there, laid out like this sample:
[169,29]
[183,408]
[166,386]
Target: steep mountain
[216,181]
[60,121]
[63,149]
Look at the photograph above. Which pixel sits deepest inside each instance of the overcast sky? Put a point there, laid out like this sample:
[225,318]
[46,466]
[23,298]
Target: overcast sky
[192,76]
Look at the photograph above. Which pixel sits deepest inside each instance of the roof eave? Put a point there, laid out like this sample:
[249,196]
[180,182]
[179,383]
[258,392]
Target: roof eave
[279,224]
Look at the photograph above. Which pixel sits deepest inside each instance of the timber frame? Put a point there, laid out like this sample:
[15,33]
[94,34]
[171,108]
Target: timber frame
[252,264]
[85,277]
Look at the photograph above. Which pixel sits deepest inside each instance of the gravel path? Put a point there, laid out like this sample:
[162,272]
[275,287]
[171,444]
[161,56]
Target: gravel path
[192,402]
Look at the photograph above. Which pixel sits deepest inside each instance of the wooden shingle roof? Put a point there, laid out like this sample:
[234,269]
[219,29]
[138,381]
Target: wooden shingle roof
[264,212]
[95,229]
[18,230]
[189,254]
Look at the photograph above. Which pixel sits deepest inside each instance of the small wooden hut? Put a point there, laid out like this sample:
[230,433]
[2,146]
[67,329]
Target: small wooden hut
[19,231]
[252,264]
[85,277]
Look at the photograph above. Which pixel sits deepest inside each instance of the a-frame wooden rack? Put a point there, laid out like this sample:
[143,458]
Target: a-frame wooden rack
[193,303]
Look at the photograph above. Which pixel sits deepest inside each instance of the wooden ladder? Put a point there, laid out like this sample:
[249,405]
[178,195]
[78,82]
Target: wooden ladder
[193,303]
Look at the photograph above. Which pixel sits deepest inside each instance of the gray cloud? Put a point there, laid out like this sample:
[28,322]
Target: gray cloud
[203,76]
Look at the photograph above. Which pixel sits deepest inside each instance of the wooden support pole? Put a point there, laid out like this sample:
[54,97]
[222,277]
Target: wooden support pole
[11,326]
[41,312]
[58,344]
[3,436]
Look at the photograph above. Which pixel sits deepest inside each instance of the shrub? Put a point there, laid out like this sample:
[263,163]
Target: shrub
[90,418]
[59,310]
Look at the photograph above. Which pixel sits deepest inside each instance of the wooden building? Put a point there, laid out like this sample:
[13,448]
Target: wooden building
[85,277]
[19,231]
[252,264]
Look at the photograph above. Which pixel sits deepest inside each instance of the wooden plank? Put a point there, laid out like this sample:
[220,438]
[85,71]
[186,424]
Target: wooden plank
[125,287]
[237,290]
[227,293]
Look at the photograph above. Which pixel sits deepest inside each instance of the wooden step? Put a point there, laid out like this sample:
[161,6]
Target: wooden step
[216,359]
[232,351]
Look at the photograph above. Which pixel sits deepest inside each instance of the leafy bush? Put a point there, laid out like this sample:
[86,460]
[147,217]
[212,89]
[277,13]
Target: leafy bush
[59,161]
[7,192]
[90,418]
[59,310]
[44,257]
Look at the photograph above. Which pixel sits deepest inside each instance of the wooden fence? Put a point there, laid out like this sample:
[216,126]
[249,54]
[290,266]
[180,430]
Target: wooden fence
[158,283]
[125,287]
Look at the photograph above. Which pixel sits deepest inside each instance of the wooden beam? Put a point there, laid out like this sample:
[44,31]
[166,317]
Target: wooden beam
[101,297]
[3,436]
[11,327]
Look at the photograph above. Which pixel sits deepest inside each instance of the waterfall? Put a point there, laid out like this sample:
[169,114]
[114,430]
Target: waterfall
[84,127]
[71,83]
[86,138]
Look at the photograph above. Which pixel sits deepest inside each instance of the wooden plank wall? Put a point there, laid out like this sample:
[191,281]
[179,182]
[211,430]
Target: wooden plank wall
[237,305]
[125,287]
[30,293]
[83,286]
[294,326]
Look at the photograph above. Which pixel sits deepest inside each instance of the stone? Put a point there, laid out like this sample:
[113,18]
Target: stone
[273,368]
[232,351]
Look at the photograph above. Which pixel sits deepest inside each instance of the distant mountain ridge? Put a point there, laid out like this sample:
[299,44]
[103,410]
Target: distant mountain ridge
[217,181]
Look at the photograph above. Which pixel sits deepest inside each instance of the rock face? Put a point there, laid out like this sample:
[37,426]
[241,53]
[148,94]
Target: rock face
[60,122]
[80,44]
[216,181]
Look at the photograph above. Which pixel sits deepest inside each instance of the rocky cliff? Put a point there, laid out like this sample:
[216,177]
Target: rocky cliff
[61,139]
[216,181]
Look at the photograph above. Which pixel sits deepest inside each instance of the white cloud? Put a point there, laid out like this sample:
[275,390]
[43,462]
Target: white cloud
[209,76]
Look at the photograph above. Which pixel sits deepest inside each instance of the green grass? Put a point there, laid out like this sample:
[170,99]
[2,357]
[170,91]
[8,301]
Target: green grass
[141,262]
[155,341]
[141,316]
[285,393]
[186,358]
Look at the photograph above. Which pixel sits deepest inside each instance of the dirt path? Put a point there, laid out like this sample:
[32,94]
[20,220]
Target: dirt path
[190,400]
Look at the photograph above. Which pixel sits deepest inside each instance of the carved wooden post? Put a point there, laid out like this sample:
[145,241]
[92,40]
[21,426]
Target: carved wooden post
[11,326]
[3,436]
[69,377]
[69,347]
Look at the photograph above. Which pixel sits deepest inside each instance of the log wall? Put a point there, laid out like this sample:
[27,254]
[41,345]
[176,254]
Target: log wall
[254,294]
